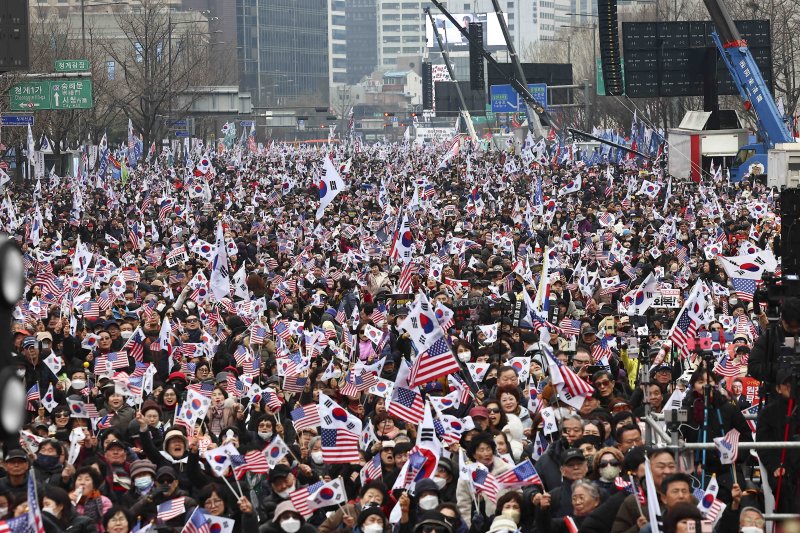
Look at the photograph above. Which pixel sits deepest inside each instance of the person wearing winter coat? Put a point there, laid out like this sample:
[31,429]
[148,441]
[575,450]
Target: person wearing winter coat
[166,489]
[482,449]
[287,519]
[59,516]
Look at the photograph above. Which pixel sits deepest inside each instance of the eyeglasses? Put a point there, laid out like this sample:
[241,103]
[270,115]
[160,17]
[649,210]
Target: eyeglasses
[572,431]
[757,522]
[191,320]
[581,361]
[118,518]
[213,501]
[493,410]
[165,481]
[612,462]
[62,415]
[602,384]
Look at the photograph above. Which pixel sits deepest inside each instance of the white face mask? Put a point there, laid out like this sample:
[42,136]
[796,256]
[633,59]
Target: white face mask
[465,356]
[51,510]
[78,384]
[752,529]
[3,511]
[440,482]
[316,457]
[372,528]
[427,503]
[609,472]
[284,494]
[336,374]
[126,334]
[266,435]
[291,525]
[513,514]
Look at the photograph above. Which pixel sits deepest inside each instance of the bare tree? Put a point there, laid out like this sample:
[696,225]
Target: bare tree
[158,64]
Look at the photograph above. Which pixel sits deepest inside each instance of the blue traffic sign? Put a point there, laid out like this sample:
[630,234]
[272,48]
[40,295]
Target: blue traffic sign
[180,133]
[247,123]
[506,100]
[176,123]
[16,120]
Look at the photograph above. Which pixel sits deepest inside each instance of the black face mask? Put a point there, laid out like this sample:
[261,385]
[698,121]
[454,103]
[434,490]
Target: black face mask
[490,382]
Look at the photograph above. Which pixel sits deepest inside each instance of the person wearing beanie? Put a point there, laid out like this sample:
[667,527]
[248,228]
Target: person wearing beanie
[152,415]
[371,520]
[287,519]
[175,450]
[143,473]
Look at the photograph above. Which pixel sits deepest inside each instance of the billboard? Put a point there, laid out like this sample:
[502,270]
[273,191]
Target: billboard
[452,38]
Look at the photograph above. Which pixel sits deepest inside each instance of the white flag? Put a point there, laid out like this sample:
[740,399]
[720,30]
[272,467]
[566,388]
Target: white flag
[220,282]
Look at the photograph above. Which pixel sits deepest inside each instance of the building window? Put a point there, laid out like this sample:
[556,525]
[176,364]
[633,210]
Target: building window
[111,70]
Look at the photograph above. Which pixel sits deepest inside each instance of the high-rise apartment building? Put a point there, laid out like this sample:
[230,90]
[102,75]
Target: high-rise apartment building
[361,26]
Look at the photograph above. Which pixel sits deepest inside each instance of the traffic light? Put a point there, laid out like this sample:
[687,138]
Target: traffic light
[413,114]
[387,114]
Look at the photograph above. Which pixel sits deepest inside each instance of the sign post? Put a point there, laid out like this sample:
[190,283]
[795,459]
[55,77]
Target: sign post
[506,100]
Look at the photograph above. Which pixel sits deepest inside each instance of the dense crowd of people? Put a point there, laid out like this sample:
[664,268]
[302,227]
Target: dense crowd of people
[581,309]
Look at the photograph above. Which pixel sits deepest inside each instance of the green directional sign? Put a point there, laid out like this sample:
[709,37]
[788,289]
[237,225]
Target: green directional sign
[51,94]
[30,96]
[72,65]
[71,94]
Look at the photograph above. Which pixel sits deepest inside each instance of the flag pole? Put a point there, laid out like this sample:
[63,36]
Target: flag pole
[636,496]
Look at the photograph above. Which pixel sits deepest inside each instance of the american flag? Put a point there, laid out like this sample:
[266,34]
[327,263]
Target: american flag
[33,393]
[358,382]
[34,512]
[601,350]
[484,482]
[281,329]
[300,497]
[234,386]
[570,328]
[730,442]
[272,399]
[135,345]
[379,313]
[198,523]
[406,275]
[434,363]
[683,330]
[725,367]
[522,475]
[257,335]
[294,383]
[574,384]
[339,445]
[305,416]
[371,471]
[253,461]
[745,288]
[15,525]
[171,509]
[407,404]
[203,388]
[104,422]
[118,360]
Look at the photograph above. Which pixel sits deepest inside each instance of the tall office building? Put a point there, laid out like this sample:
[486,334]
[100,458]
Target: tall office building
[337,43]
[401,30]
[283,51]
[361,26]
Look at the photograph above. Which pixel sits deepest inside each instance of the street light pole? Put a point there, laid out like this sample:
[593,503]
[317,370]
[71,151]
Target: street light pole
[83,28]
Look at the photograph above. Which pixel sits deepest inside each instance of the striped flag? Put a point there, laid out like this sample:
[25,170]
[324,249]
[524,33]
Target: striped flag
[34,512]
[171,509]
[305,416]
[15,525]
[300,498]
[728,447]
[483,481]
[745,288]
[570,328]
[198,523]
[435,362]
[522,475]
[725,367]
[407,404]
[371,471]
[33,393]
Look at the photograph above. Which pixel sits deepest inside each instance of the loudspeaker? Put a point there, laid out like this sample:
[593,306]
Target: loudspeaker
[14,35]
[789,248]
[427,85]
[609,47]
[476,79]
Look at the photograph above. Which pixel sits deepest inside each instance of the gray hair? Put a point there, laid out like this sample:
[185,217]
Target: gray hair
[588,486]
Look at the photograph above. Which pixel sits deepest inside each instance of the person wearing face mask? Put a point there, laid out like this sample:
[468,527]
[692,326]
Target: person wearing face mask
[143,475]
[371,520]
[425,499]
[509,506]
[47,467]
[445,480]
[371,496]
[607,465]
[58,514]
[315,459]
[283,482]
[287,519]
